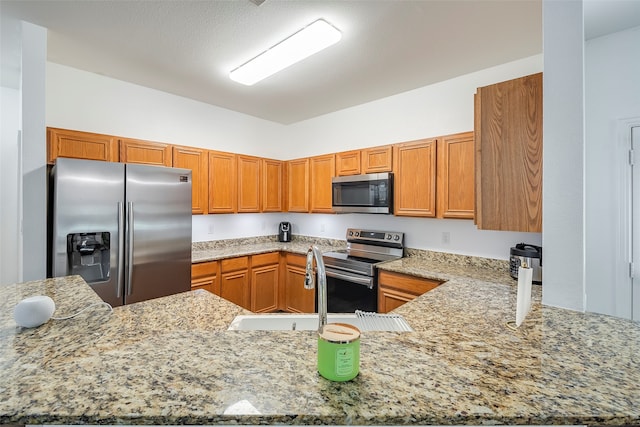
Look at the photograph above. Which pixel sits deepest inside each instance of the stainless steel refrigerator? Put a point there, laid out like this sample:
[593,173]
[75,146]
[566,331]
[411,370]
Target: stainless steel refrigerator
[125,228]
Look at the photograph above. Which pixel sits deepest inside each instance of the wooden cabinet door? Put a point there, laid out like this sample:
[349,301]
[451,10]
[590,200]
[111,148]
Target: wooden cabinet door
[145,152]
[377,159]
[197,160]
[394,289]
[80,145]
[272,185]
[456,185]
[234,281]
[264,287]
[415,178]
[297,299]
[390,299]
[322,170]
[248,183]
[204,275]
[348,163]
[508,157]
[223,182]
[298,185]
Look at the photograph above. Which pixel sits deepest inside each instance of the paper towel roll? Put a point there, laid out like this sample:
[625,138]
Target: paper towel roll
[523,302]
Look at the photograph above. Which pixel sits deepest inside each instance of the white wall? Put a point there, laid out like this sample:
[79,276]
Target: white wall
[434,110]
[90,102]
[447,107]
[612,82]
[22,152]
[563,155]
[34,153]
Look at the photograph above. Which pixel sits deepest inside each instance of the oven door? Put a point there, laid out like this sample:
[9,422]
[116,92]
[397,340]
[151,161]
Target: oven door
[348,292]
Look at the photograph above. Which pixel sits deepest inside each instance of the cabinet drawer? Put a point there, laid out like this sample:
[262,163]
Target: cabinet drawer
[204,269]
[265,259]
[410,284]
[298,260]
[233,264]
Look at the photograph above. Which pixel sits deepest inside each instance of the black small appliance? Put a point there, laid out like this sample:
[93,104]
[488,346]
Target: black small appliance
[284,232]
[529,254]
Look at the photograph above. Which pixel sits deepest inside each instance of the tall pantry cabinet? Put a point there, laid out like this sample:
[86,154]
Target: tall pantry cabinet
[508,158]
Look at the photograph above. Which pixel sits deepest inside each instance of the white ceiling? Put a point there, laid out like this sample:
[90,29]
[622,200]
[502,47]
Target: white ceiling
[188,47]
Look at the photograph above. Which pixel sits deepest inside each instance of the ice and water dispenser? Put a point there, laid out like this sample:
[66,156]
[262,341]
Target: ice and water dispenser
[88,255]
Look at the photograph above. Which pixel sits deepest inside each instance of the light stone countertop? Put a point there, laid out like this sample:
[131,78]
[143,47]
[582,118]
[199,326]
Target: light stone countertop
[172,361]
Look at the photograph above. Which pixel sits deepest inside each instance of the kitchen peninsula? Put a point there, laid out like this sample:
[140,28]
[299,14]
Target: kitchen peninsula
[172,361]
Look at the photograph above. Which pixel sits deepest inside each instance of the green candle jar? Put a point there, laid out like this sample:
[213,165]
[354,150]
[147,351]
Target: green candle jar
[339,352]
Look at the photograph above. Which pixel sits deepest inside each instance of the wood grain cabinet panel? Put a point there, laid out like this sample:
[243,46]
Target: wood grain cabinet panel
[508,156]
[204,275]
[322,169]
[415,178]
[272,185]
[455,176]
[265,282]
[377,159]
[145,152]
[394,289]
[197,160]
[297,299]
[223,182]
[80,145]
[234,281]
[298,185]
[348,163]
[249,178]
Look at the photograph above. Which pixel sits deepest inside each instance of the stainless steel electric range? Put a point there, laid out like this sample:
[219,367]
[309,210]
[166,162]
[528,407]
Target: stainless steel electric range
[351,274]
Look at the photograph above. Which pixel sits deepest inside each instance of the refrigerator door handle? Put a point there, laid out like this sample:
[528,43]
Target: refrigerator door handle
[121,229]
[129,248]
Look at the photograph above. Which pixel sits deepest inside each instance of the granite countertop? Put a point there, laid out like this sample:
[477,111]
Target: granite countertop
[172,361]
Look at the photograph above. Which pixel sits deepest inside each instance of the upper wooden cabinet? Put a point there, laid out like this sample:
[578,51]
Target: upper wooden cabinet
[508,157]
[322,170]
[223,182]
[455,176]
[197,160]
[249,178]
[272,185]
[348,163]
[298,185]
[145,152]
[414,166]
[80,145]
[377,159]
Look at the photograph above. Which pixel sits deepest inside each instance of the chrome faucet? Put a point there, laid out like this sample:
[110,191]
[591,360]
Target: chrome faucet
[322,283]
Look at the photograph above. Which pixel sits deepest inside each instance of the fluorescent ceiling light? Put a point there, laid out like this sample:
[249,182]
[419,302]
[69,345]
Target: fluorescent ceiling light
[309,40]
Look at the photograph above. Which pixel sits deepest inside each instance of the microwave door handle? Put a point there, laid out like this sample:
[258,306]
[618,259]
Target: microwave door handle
[364,281]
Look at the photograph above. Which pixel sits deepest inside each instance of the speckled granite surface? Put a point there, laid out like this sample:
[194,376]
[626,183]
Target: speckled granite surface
[221,249]
[172,361]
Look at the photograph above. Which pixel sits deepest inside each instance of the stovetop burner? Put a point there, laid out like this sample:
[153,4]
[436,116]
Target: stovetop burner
[366,248]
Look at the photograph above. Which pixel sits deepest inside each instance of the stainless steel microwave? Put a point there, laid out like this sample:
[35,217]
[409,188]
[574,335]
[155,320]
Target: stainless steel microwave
[370,193]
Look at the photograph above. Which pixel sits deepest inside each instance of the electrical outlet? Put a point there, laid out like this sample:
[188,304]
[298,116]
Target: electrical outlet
[446,237]
[322,228]
[210,228]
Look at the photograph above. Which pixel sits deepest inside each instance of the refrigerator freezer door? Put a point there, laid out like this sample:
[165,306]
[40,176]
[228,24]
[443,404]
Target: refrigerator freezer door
[158,232]
[86,238]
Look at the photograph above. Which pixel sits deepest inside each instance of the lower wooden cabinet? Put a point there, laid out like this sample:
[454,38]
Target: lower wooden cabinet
[234,281]
[204,275]
[265,281]
[395,289]
[295,297]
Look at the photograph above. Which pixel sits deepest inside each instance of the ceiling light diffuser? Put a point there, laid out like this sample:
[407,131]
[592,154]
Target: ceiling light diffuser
[311,39]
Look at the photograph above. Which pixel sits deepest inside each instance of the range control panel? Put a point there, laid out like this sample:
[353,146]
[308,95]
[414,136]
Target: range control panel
[372,237]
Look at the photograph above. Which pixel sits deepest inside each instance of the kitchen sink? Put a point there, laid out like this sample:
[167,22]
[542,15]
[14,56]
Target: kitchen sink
[309,322]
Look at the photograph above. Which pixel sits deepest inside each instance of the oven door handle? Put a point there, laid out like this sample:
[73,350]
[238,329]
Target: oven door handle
[364,281]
